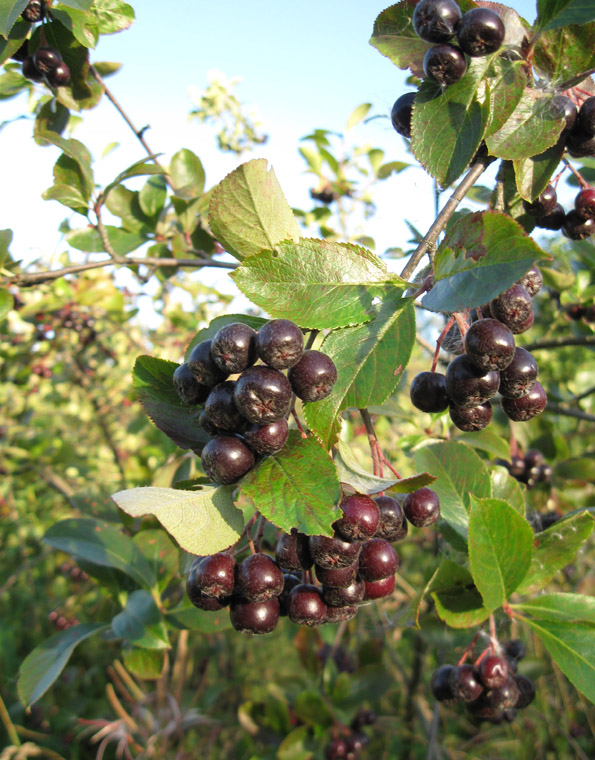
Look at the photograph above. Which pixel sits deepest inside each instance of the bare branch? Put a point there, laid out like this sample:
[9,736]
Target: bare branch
[555,408]
[573,340]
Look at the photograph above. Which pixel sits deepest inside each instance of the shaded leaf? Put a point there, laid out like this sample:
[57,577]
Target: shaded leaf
[457,600]
[505,487]
[10,10]
[506,81]
[552,14]
[78,22]
[566,53]
[78,152]
[15,38]
[6,302]
[121,241]
[144,663]
[186,616]
[560,606]
[153,195]
[486,440]
[138,169]
[160,552]
[532,174]
[140,622]
[67,196]
[186,174]
[11,83]
[52,117]
[394,36]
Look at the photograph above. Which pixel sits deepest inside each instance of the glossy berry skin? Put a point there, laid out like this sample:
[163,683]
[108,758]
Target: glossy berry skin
[489,344]
[400,114]
[440,683]
[472,418]
[392,525]
[215,575]
[226,458]
[544,203]
[533,458]
[333,552]
[313,377]
[338,577]
[280,343]
[580,144]
[493,672]
[467,384]
[203,367]
[306,605]
[436,20]
[532,281]
[576,227]
[34,11]
[46,59]
[480,32]
[360,518]
[293,552]
[422,507]
[59,76]
[221,410]
[503,697]
[344,596]
[379,589]
[290,581]
[586,116]
[267,439]
[195,594]
[428,392]
[234,347]
[526,690]
[526,407]
[263,395]
[464,683]
[254,617]
[584,202]
[30,71]
[189,391]
[444,64]
[378,560]
[553,220]
[513,308]
[515,649]
[339,614]
[565,109]
[259,578]
[520,375]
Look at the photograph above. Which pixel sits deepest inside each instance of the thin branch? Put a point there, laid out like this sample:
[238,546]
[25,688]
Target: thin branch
[581,396]
[555,408]
[579,340]
[441,220]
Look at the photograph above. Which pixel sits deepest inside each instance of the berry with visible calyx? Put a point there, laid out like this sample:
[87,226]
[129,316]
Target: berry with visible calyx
[59,76]
[520,375]
[215,575]
[422,507]
[333,552]
[290,581]
[532,281]
[254,617]
[46,59]
[221,410]
[293,552]
[444,64]
[480,32]
[280,343]
[344,596]
[337,577]
[226,458]
[526,689]
[203,366]
[554,220]
[577,227]
[526,407]
[263,394]
[234,347]
[428,392]
[467,384]
[586,116]
[30,71]
[267,439]
[544,204]
[471,418]
[378,560]
[440,683]
[584,202]
[34,11]
[400,114]
[493,672]
[259,578]
[306,605]
[392,524]
[465,684]
[313,377]
[514,308]
[188,389]
[489,344]
[436,20]
[360,518]
[503,697]
[197,596]
[379,589]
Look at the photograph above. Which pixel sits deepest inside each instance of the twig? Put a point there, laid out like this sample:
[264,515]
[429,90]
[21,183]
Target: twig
[554,407]
[582,182]
[573,340]
[581,396]
[372,440]
[8,725]
[311,339]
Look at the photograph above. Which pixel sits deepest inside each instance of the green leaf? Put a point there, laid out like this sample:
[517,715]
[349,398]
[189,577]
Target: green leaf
[572,646]
[122,242]
[313,159]
[44,664]
[102,544]
[505,487]
[11,83]
[144,663]
[125,204]
[140,622]
[78,22]
[394,36]
[68,196]
[560,607]
[68,172]
[448,125]
[370,360]
[486,440]
[10,10]
[567,53]
[186,616]
[457,600]
[160,552]
[248,211]
[15,39]
[534,126]
[107,69]
[296,488]
[139,168]
[153,195]
[6,302]
[532,174]
[153,382]
[576,468]
[500,549]
[552,14]
[293,746]
[81,5]
[506,81]
[311,707]
[80,92]
[52,117]
[203,521]
[216,324]
[316,283]
[554,548]
[111,16]
[78,152]
[387,169]
[187,174]
[482,254]
[357,115]
[459,473]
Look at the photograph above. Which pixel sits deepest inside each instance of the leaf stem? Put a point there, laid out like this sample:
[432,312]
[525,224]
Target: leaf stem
[9,725]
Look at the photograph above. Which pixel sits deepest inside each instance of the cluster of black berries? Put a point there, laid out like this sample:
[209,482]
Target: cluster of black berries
[478,32]
[577,224]
[356,565]
[529,469]
[34,12]
[348,742]
[491,689]
[577,311]
[491,363]
[580,141]
[46,63]
[247,417]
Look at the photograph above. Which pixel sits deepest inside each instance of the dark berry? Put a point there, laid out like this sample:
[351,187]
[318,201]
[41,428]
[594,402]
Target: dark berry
[208,426]
[392,525]
[254,617]
[580,144]
[363,717]
[532,281]
[267,439]
[226,458]
[336,749]
[503,697]
[221,410]
[440,683]
[464,683]
[481,710]
[526,407]
[576,227]
[34,11]
[203,367]
[30,72]
[584,202]
[467,384]
[533,458]
[234,348]
[564,108]
[471,418]
[428,392]
[333,552]
[360,518]
[515,649]
[544,203]
[280,343]
[339,614]
[514,308]
[517,466]
[337,577]
[400,114]
[263,395]
[293,551]
[313,377]
[379,589]
[422,507]
[356,741]
[444,64]
[586,116]
[46,59]
[378,560]
[520,375]
[215,575]
[480,32]
[554,220]
[306,605]
[344,596]
[189,391]
[259,578]
[526,690]
[493,672]
[490,344]
[290,581]
[436,20]
[197,597]
[59,76]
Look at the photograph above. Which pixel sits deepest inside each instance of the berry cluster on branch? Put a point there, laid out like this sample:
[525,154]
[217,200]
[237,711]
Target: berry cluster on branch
[577,224]
[45,64]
